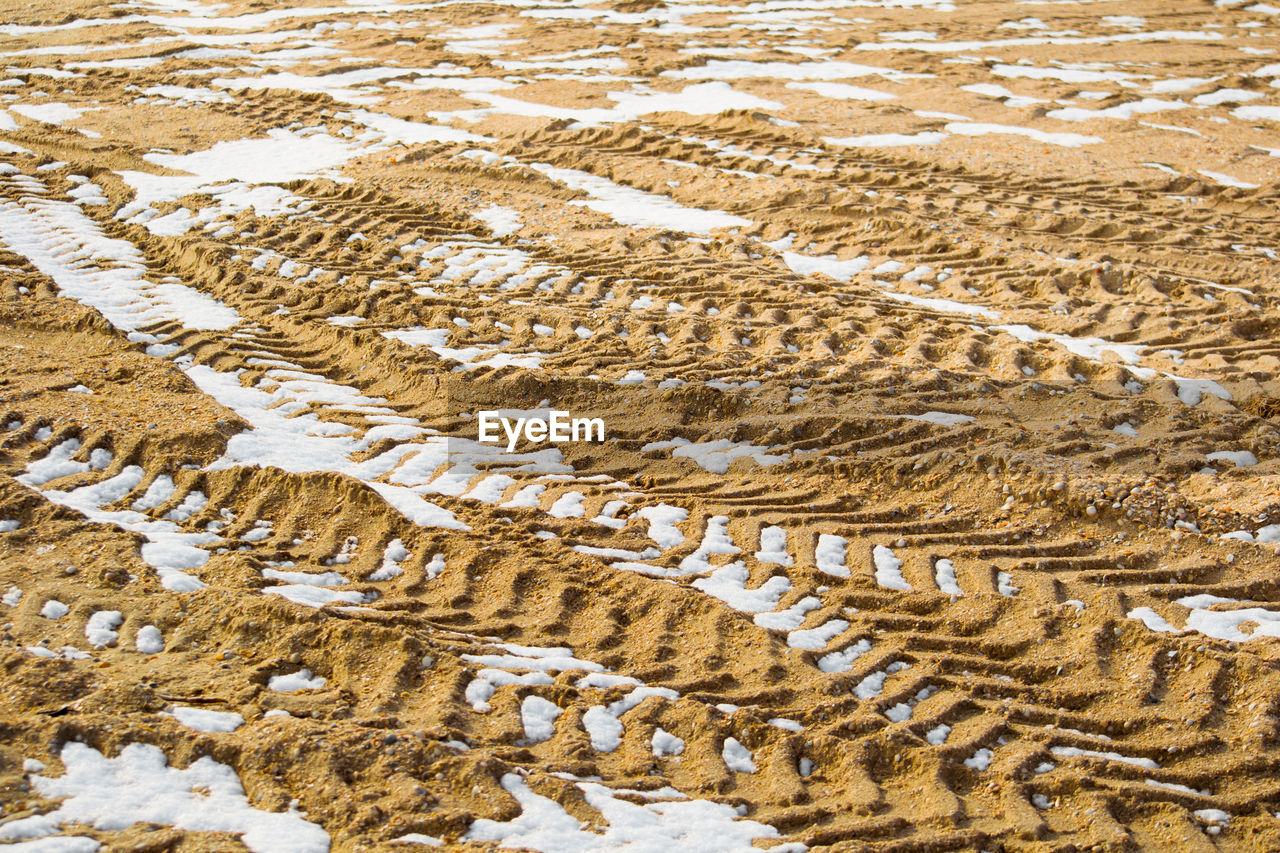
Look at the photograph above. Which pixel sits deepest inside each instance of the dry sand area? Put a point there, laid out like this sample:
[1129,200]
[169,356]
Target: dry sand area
[938,345]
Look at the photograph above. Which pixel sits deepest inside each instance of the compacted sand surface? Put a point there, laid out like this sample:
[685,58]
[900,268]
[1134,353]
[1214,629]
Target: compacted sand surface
[938,349]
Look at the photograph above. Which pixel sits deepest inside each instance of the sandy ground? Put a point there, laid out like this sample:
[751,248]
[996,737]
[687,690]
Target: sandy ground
[937,345]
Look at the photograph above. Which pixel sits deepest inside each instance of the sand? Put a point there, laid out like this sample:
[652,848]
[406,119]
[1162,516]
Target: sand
[937,348]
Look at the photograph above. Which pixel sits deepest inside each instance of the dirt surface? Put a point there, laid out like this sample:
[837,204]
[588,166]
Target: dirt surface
[937,348]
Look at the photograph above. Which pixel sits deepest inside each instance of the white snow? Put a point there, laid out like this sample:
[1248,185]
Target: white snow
[992,90]
[1227,180]
[871,686]
[887,140]
[310,595]
[888,569]
[945,573]
[481,690]
[737,757]
[100,271]
[843,91]
[1070,751]
[168,550]
[980,760]
[502,221]
[842,661]
[773,547]
[733,69]
[138,786]
[729,584]
[663,519]
[391,557]
[545,826]
[101,627]
[790,618]
[568,505]
[1241,458]
[49,113]
[829,555]
[281,156]
[630,206]
[937,735]
[54,609]
[1066,140]
[1151,619]
[294,681]
[715,540]
[664,743]
[716,456]
[535,658]
[205,720]
[1124,111]
[149,640]
[538,717]
[827,265]
[941,418]
[604,728]
[54,464]
[817,638]
[434,567]
[160,490]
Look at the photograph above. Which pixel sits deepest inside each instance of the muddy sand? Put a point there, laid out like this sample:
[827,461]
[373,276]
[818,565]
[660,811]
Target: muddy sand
[938,350]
